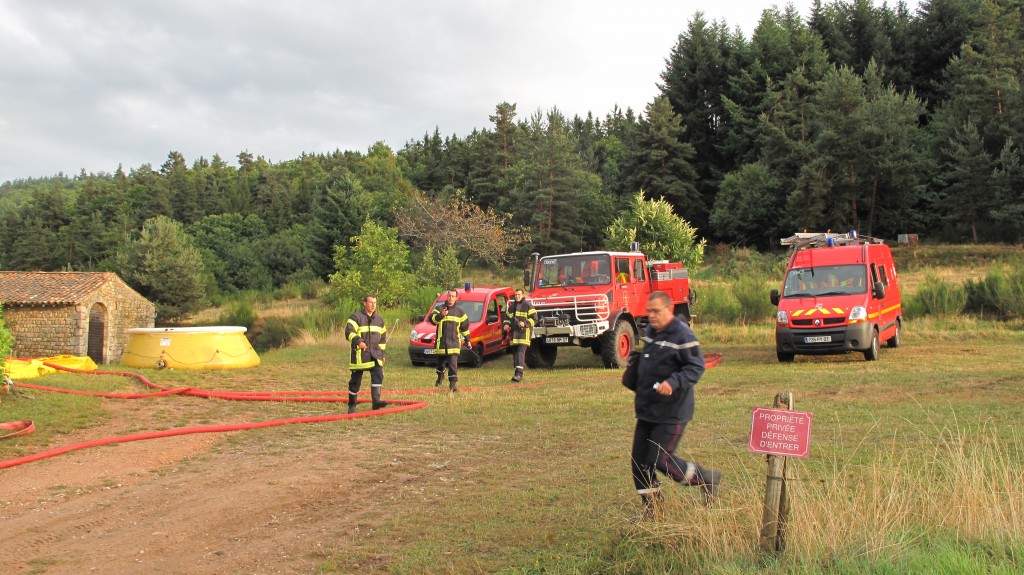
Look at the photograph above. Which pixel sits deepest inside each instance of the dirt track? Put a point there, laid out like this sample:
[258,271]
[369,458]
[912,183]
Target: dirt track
[190,504]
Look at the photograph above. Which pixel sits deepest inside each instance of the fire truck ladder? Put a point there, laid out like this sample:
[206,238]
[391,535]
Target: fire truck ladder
[804,240]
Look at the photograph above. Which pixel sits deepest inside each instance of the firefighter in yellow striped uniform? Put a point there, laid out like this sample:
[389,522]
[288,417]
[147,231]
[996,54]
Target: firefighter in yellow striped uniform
[452,333]
[520,319]
[368,336]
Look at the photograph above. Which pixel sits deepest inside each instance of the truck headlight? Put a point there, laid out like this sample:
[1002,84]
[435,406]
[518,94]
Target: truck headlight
[413,336]
[858,314]
[781,317]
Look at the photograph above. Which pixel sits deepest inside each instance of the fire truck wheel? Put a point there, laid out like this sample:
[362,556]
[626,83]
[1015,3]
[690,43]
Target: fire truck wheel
[872,353]
[785,357]
[617,344]
[897,339]
[541,355]
[682,311]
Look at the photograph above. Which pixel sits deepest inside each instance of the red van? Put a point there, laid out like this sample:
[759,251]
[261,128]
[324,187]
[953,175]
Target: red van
[485,307]
[841,294]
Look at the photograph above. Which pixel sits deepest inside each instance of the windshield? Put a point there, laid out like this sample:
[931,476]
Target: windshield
[826,281]
[474,309]
[584,269]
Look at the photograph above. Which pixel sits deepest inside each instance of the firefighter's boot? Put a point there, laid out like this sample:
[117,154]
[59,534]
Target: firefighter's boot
[653,508]
[440,378]
[709,480]
[453,384]
[353,392]
[378,403]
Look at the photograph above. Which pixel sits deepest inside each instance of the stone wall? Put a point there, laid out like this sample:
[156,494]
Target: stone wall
[45,330]
[40,331]
[125,309]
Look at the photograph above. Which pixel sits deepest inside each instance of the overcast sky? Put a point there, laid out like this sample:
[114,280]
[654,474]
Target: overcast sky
[90,84]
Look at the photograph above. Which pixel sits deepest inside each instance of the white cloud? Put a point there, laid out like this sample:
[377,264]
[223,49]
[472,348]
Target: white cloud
[96,83]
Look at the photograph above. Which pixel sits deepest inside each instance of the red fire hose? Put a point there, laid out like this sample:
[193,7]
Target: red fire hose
[26,426]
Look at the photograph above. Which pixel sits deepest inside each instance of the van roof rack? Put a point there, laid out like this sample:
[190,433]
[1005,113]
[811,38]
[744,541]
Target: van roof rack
[803,240]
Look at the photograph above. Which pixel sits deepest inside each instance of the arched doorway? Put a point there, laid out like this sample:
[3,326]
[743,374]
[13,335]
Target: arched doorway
[97,332]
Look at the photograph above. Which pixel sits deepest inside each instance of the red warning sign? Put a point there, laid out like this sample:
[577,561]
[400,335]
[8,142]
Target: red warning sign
[780,432]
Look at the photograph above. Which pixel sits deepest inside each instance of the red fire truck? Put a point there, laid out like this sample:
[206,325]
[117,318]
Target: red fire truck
[598,300]
[841,294]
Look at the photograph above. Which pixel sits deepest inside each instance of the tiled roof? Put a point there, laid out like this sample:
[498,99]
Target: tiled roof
[50,288]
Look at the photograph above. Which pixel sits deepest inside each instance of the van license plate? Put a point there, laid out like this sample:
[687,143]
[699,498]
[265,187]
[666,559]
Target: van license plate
[818,339]
[556,340]
[429,351]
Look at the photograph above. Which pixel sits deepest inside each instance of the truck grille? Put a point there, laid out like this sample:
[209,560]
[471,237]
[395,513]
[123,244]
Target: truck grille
[824,321]
[557,311]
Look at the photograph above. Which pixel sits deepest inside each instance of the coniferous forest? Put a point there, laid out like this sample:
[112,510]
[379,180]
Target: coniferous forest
[858,116]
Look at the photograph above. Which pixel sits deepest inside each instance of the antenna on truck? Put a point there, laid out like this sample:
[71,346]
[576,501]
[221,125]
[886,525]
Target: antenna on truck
[801,240]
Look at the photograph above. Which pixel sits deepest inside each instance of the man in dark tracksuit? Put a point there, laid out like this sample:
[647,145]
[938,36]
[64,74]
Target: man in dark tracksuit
[452,332]
[663,375]
[519,321]
[368,337]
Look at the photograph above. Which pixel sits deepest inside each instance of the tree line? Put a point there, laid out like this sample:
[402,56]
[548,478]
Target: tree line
[860,117]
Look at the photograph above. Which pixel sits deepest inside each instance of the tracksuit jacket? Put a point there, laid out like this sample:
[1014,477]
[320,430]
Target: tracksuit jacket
[674,355]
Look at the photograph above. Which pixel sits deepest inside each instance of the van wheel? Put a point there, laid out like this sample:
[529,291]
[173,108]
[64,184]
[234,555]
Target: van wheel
[785,357]
[896,340]
[617,344]
[541,355]
[872,353]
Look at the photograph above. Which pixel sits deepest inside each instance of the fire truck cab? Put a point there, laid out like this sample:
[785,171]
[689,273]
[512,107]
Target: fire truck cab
[841,294]
[598,300]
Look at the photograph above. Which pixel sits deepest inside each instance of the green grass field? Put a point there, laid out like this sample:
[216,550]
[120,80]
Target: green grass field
[916,460]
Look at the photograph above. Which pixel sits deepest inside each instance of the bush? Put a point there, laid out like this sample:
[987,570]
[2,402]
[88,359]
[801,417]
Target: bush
[421,298]
[716,303]
[1001,293]
[321,322]
[751,291]
[730,262]
[272,332]
[239,312]
[6,339]
[937,297]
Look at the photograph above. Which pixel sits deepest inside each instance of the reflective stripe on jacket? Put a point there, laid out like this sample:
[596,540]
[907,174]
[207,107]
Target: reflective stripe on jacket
[520,312]
[371,331]
[451,329]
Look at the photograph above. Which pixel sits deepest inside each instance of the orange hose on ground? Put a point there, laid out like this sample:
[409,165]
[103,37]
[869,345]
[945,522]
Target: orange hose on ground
[395,406]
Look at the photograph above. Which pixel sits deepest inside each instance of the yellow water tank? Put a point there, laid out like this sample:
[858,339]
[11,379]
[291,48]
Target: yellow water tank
[212,347]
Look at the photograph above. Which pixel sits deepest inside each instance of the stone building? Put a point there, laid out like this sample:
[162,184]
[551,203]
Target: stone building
[71,313]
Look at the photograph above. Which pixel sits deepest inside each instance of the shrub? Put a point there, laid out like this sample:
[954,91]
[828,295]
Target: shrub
[321,322]
[239,312]
[272,332]
[421,298]
[716,303]
[937,297]
[6,339]
[751,291]
[1001,293]
[730,262]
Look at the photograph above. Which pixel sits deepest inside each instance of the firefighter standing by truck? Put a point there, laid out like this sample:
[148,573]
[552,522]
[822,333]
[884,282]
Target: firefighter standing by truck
[368,337]
[452,333]
[519,322]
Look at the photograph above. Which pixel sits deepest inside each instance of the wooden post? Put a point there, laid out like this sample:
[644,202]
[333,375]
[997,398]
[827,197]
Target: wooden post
[776,507]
